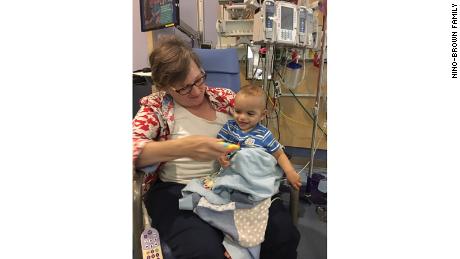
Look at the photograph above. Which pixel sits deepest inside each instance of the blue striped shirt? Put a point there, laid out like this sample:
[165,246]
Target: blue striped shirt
[259,136]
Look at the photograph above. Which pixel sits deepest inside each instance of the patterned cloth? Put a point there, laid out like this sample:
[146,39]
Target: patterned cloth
[155,118]
[260,136]
[238,200]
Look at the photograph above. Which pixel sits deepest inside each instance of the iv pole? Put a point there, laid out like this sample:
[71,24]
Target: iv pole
[316,108]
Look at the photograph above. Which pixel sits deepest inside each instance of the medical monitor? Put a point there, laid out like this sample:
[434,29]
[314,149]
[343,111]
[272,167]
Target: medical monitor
[159,14]
[264,24]
[269,8]
[302,23]
[287,22]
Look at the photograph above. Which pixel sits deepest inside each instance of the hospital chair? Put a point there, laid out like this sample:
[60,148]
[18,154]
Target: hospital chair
[223,70]
[221,66]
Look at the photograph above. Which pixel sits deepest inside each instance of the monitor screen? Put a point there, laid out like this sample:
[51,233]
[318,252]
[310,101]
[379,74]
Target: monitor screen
[302,18]
[159,14]
[287,17]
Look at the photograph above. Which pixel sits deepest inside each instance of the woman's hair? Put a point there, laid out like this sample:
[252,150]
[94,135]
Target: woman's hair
[170,62]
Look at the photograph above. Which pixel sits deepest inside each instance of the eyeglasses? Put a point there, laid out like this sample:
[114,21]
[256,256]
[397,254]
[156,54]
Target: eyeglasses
[188,88]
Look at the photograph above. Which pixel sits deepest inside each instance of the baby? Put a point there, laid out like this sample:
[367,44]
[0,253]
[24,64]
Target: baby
[247,131]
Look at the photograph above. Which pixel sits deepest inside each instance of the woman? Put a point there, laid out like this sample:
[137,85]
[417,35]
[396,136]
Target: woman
[175,130]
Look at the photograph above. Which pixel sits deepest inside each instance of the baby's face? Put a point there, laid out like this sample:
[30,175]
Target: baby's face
[249,110]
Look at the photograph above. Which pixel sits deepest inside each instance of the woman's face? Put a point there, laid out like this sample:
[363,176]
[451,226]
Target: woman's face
[194,82]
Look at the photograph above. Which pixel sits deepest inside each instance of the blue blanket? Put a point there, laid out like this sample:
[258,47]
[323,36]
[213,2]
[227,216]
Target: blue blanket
[237,199]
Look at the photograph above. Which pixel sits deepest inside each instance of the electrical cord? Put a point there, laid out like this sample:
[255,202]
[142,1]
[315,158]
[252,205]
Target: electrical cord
[278,125]
[300,103]
[289,118]
[275,106]
[314,152]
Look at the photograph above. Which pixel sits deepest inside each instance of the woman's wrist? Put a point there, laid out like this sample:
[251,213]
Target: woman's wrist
[290,172]
[182,146]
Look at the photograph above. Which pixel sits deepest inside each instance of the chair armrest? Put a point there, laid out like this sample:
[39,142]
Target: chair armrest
[148,169]
[294,205]
[138,179]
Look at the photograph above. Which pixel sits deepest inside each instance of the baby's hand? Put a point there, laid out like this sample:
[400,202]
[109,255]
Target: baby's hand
[294,179]
[224,161]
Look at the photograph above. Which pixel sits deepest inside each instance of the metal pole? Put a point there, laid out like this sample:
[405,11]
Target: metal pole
[316,108]
[267,65]
[265,74]
[201,20]
[294,205]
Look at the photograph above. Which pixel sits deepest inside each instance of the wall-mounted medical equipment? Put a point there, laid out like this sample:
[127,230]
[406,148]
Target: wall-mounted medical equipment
[302,26]
[237,21]
[316,33]
[276,22]
[270,22]
[310,23]
[306,26]
[286,22]
[264,22]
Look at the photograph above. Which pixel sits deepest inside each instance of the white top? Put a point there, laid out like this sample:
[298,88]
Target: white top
[183,170]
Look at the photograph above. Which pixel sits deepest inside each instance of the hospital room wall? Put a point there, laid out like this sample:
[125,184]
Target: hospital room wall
[142,41]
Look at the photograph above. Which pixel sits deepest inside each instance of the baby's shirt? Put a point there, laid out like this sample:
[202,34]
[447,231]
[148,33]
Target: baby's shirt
[259,136]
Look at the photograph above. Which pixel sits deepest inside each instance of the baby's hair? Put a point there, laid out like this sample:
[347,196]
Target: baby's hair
[253,90]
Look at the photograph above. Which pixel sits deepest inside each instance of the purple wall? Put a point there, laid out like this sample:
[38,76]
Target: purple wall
[140,49]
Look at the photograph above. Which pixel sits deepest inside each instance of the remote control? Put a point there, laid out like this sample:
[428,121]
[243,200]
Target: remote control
[150,242]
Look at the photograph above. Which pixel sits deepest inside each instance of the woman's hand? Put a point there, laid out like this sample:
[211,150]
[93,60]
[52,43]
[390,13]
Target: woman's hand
[202,148]
[199,148]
